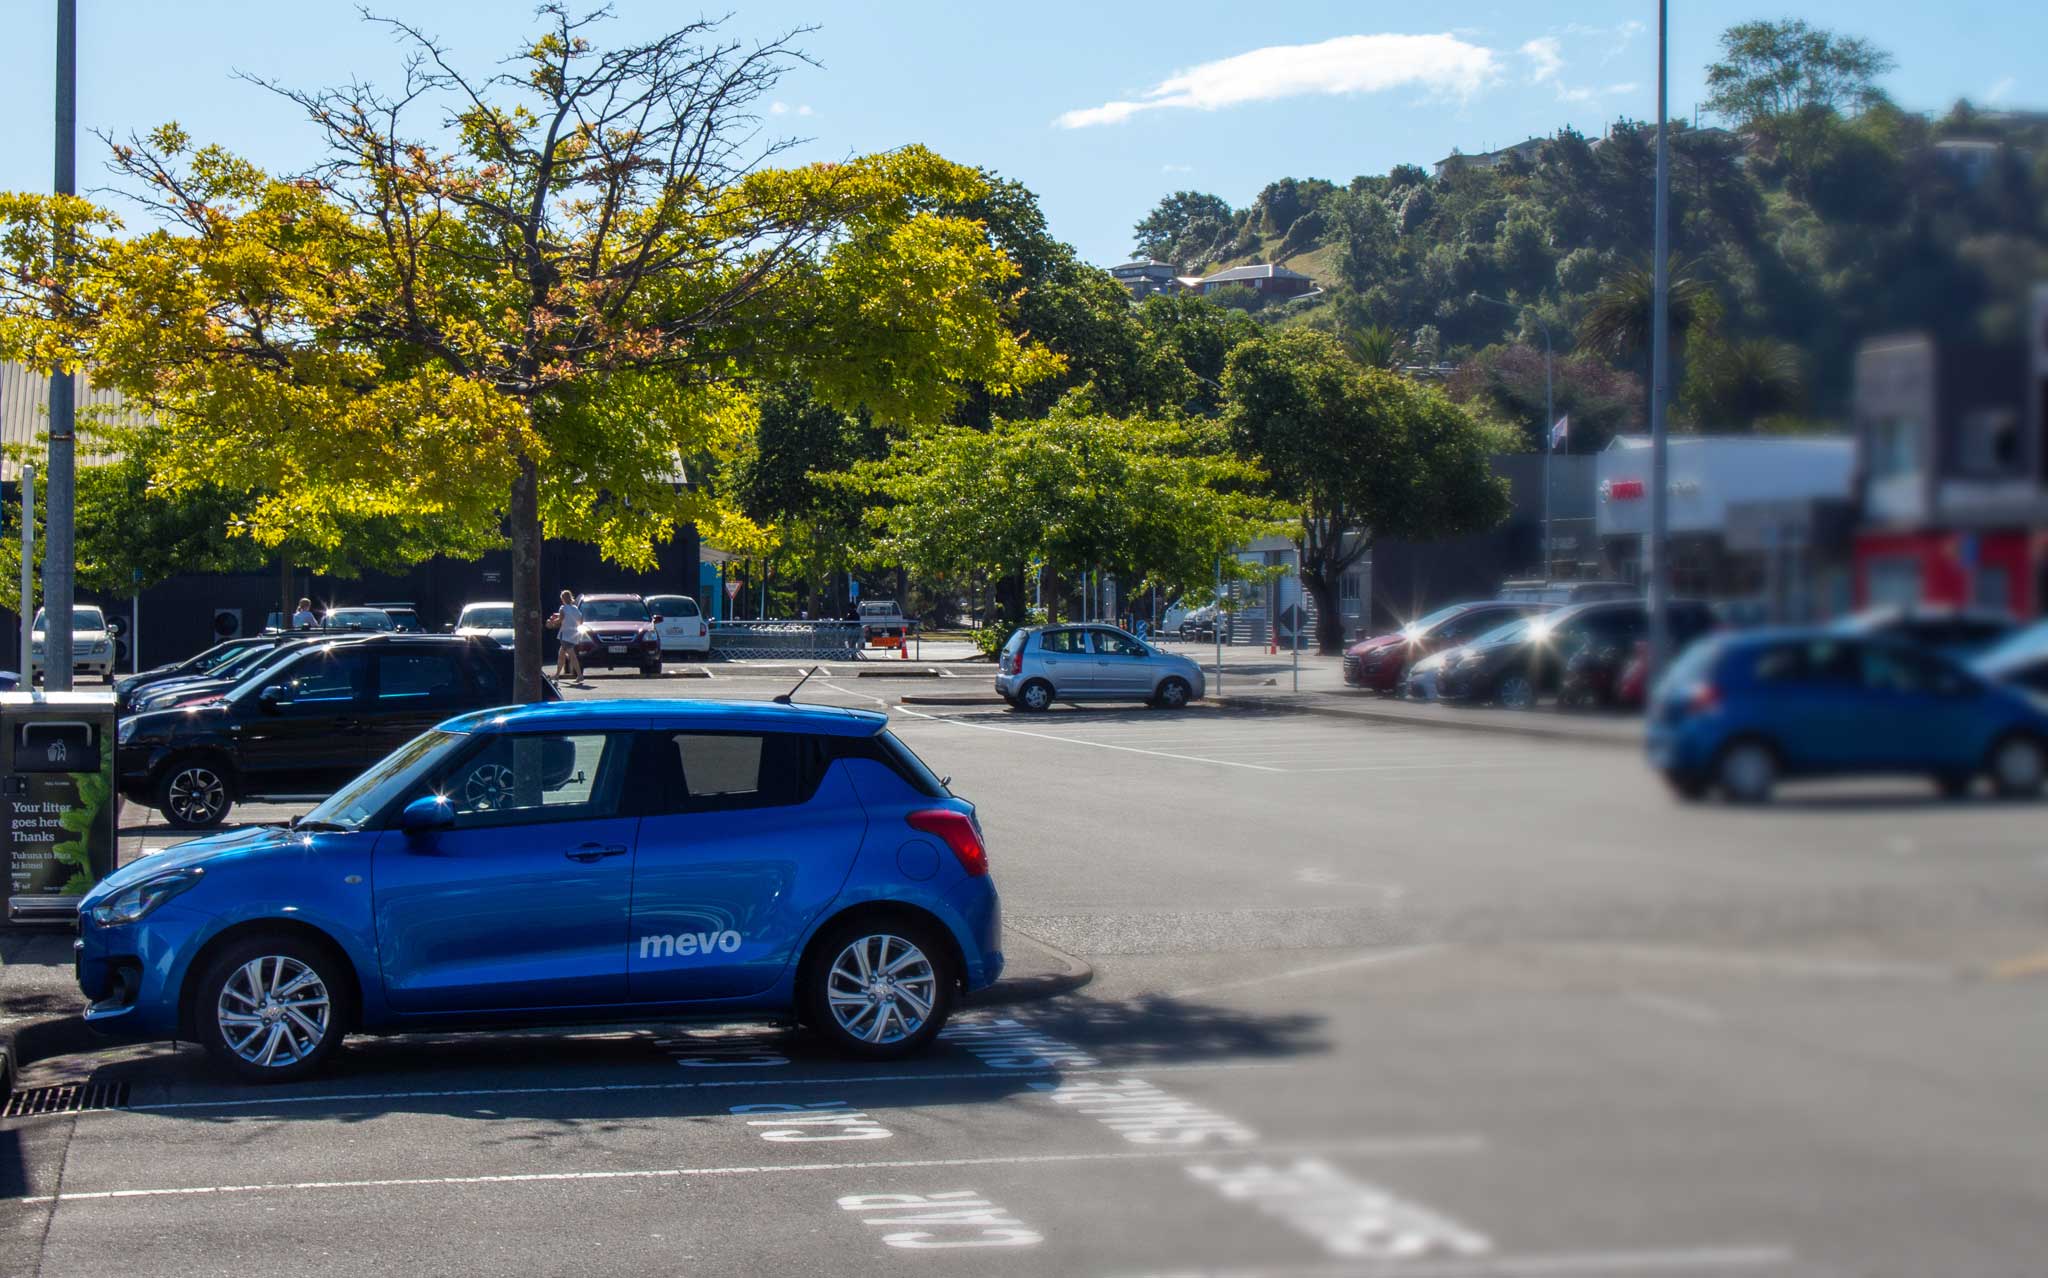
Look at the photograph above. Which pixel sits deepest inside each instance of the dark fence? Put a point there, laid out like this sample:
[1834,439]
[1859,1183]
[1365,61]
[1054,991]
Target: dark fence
[813,640]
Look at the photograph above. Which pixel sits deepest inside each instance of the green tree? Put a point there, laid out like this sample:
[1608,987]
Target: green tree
[536,304]
[1505,383]
[1772,70]
[1741,384]
[1164,233]
[1360,453]
[1153,501]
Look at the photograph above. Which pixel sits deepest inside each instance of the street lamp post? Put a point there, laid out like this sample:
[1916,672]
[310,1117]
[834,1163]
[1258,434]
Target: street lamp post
[58,542]
[1659,574]
[1549,415]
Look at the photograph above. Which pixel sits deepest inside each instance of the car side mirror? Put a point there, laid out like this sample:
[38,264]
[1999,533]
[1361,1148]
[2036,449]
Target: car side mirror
[426,815]
[273,697]
[657,618]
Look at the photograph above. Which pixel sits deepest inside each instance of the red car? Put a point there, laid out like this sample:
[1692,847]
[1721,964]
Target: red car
[618,630]
[1377,663]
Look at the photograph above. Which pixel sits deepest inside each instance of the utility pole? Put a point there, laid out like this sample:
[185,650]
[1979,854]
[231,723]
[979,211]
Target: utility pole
[28,577]
[58,543]
[1658,567]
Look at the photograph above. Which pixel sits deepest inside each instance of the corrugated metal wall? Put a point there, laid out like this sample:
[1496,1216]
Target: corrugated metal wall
[25,417]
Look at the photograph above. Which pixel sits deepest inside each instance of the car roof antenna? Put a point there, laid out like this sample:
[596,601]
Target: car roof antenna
[784,699]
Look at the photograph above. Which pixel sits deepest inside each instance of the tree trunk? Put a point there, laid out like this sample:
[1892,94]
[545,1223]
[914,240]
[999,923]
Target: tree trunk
[528,616]
[1052,595]
[1329,624]
[287,605]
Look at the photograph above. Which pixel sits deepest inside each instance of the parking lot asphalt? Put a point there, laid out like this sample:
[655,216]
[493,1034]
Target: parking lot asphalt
[1368,997]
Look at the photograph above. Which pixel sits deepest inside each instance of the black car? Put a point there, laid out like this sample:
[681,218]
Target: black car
[1522,662]
[308,725]
[198,666]
[251,662]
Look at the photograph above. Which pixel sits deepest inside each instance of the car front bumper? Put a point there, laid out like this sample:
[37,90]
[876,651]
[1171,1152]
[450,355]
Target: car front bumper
[133,974]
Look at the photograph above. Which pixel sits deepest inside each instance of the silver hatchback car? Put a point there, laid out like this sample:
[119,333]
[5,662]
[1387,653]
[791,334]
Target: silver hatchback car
[1044,664]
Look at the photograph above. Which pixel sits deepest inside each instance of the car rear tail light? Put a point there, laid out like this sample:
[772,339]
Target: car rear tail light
[1702,698]
[1013,663]
[960,833]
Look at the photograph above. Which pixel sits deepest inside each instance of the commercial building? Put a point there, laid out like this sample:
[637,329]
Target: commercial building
[1759,523]
[1954,479]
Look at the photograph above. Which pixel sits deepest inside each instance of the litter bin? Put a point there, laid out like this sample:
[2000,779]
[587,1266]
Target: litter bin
[57,788]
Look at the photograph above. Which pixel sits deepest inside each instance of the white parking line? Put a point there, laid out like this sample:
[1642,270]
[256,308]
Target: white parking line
[1397,1146]
[1364,960]
[836,1080]
[1698,1260]
[1099,745]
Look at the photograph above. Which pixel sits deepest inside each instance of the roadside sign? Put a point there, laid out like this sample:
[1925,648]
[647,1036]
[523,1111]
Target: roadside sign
[852,588]
[732,590]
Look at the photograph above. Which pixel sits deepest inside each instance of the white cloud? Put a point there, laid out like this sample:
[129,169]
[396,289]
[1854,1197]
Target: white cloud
[784,108]
[2001,90]
[1176,168]
[1442,64]
[1585,94]
[1546,56]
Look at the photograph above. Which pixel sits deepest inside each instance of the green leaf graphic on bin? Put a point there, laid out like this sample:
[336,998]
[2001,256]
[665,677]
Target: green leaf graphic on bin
[95,791]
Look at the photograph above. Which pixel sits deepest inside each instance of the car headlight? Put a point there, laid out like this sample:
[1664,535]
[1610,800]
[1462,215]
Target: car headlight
[133,903]
[125,733]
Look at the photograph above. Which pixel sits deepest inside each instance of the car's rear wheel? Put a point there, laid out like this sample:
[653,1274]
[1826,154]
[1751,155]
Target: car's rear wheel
[1747,771]
[2019,767]
[194,793]
[1173,694]
[1516,692]
[1686,786]
[271,1008]
[878,988]
[1035,696]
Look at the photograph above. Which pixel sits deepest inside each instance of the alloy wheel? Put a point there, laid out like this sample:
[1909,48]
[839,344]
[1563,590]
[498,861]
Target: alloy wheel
[881,989]
[2019,767]
[273,1011]
[1516,693]
[488,787]
[1036,696]
[1748,772]
[1173,694]
[196,795]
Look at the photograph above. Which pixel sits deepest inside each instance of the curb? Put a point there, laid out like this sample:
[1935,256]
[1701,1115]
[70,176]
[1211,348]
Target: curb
[910,672]
[950,699]
[1456,721]
[1009,990]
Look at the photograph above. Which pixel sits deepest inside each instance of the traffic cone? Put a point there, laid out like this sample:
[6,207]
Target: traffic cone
[903,647]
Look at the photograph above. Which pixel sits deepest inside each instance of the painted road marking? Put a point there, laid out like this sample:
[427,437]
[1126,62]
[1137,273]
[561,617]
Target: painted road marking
[1373,959]
[2025,965]
[1145,1115]
[586,1089]
[1346,1217]
[817,1121]
[1697,1260]
[1389,1147]
[953,1218]
[1008,1044]
[720,1050]
[1099,745]
[1677,1008]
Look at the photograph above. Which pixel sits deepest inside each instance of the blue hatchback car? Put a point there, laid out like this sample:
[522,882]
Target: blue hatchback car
[560,862]
[1740,712]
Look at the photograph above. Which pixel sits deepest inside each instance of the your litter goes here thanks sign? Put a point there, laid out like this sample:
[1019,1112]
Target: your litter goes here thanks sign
[59,797]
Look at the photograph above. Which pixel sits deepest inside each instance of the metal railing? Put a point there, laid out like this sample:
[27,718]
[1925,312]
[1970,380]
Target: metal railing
[812,640]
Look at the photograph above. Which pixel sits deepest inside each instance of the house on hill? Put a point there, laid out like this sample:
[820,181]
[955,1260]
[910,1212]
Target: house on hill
[1263,278]
[1145,277]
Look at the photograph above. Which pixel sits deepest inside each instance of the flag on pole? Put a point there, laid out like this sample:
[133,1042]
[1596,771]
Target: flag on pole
[1561,432]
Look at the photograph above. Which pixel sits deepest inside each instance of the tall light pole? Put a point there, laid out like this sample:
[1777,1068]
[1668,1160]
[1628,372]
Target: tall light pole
[1658,567]
[1549,417]
[58,542]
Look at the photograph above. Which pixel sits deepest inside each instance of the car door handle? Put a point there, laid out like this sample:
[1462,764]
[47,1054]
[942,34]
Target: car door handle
[591,852]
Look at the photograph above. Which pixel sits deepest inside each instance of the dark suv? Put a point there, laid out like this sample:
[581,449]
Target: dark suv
[306,726]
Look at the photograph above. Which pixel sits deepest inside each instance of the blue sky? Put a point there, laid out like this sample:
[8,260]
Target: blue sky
[1101,108]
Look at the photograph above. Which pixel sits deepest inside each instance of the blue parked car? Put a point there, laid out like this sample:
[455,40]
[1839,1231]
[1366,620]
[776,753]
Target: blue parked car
[1740,712]
[608,860]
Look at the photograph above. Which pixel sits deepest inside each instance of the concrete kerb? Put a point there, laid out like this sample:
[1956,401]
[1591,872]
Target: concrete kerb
[1032,971]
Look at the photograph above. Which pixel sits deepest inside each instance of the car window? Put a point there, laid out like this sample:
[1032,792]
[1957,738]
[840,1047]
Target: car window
[326,677]
[1113,643]
[1063,641]
[725,771]
[673,605]
[485,618]
[614,610]
[525,778]
[420,679]
[1908,671]
[1815,661]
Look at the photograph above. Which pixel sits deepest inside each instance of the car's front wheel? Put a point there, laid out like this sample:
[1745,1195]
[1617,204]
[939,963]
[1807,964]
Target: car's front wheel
[878,988]
[271,1008]
[194,793]
[1516,692]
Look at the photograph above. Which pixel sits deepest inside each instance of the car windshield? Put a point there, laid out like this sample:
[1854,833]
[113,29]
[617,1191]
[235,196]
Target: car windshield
[614,610]
[217,657]
[1437,618]
[2021,648]
[486,617]
[82,618]
[241,663]
[1513,632]
[360,618]
[392,776]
